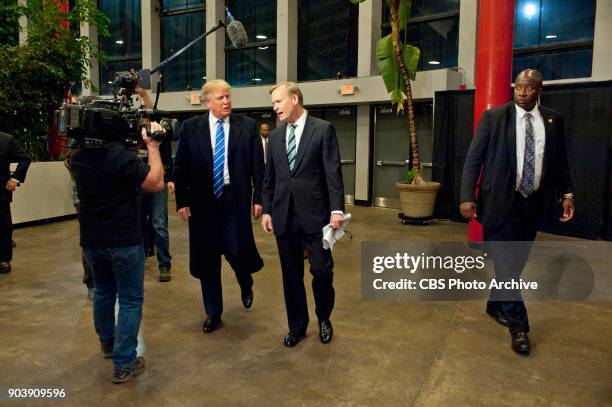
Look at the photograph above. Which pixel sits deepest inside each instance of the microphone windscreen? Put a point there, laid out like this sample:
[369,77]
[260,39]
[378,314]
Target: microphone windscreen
[237,34]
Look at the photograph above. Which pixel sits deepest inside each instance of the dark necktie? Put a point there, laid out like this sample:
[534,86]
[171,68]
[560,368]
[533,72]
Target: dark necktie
[526,186]
[291,147]
[265,150]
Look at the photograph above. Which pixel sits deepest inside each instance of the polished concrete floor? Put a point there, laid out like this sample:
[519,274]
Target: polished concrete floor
[383,353]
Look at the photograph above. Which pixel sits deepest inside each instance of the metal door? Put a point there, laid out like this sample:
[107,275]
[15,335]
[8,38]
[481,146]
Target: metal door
[345,122]
[392,149]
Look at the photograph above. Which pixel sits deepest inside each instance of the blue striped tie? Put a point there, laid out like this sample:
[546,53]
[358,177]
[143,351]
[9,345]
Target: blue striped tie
[219,159]
[292,147]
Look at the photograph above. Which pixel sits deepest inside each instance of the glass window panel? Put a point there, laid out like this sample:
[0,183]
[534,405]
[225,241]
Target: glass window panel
[440,44]
[188,69]
[540,23]
[181,4]
[265,65]
[124,45]
[567,20]
[438,39]
[526,23]
[522,62]
[124,28]
[327,41]
[258,18]
[252,66]
[422,8]
[566,64]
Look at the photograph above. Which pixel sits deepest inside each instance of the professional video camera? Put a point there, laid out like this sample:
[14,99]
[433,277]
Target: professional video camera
[92,122]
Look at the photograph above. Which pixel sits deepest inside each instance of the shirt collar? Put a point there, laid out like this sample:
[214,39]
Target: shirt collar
[520,112]
[301,121]
[213,120]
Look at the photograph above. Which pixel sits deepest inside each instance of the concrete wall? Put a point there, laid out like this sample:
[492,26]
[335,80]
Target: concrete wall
[45,193]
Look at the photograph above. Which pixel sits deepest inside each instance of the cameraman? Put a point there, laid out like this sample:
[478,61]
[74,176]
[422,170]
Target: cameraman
[107,180]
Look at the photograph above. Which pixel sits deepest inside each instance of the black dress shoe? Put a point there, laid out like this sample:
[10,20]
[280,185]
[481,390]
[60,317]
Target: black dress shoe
[520,343]
[211,324]
[326,331]
[499,317]
[247,298]
[5,267]
[293,339]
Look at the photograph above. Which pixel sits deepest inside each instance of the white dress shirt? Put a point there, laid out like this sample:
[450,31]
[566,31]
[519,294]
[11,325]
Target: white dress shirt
[212,123]
[539,135]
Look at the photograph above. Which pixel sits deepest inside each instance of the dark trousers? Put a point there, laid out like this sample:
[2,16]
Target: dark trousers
[6,232]
[153,209]
[509,247]
[291,247]
[230,242]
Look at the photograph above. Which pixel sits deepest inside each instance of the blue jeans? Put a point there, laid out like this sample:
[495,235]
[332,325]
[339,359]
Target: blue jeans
[118,272]
[154,208]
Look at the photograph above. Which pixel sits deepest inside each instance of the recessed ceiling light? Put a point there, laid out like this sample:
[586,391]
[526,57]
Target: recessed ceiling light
[257,79]
[434,62]
[119,42]
[261,37]
[551,36]
[266,47]
[530,10]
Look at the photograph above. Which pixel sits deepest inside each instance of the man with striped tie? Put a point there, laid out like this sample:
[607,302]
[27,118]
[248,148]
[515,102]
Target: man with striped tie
[218,173]
[520,147]
[302,193]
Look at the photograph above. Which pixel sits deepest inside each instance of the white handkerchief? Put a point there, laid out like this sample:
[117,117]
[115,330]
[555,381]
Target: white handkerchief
[331,236]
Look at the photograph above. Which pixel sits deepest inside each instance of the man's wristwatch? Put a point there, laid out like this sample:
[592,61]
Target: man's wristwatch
[569,195]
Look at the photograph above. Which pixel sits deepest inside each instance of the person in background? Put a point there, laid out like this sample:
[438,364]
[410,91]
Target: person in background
[520,147]
[10,152]
[153,206]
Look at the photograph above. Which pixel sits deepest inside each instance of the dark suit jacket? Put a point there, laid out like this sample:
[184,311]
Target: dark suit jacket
[494,147]
[193,177]
[316,181]
[11,152]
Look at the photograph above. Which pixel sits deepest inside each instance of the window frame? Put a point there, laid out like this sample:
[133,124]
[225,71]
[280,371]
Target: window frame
[228,49]
[542,50]
[163,12]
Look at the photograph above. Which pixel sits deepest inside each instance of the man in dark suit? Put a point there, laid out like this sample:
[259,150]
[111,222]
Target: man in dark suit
[10,152]
[521,149]
[302,192]
[218,173]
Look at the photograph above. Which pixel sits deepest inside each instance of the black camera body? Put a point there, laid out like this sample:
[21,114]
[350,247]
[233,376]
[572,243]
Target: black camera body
[106,120]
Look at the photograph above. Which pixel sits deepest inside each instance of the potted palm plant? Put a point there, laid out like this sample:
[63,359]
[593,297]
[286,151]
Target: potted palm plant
[397,63]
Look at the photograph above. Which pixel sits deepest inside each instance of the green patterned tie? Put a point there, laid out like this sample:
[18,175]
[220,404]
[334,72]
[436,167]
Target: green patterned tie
[292,147]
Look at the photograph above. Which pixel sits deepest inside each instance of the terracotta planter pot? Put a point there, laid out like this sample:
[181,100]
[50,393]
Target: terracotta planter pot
[418,200]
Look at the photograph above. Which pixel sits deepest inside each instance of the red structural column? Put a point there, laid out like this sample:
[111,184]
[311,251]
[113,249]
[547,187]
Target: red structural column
[56,143]
[493,67]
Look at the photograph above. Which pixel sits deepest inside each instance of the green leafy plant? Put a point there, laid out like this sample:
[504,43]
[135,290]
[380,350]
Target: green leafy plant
[397,63]
[410,175]
[35,76]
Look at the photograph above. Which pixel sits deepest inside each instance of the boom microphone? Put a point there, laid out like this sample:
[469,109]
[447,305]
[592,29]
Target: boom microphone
[235,31]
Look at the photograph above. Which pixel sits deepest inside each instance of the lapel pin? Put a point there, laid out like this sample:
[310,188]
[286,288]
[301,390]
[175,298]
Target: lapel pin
[550,120]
